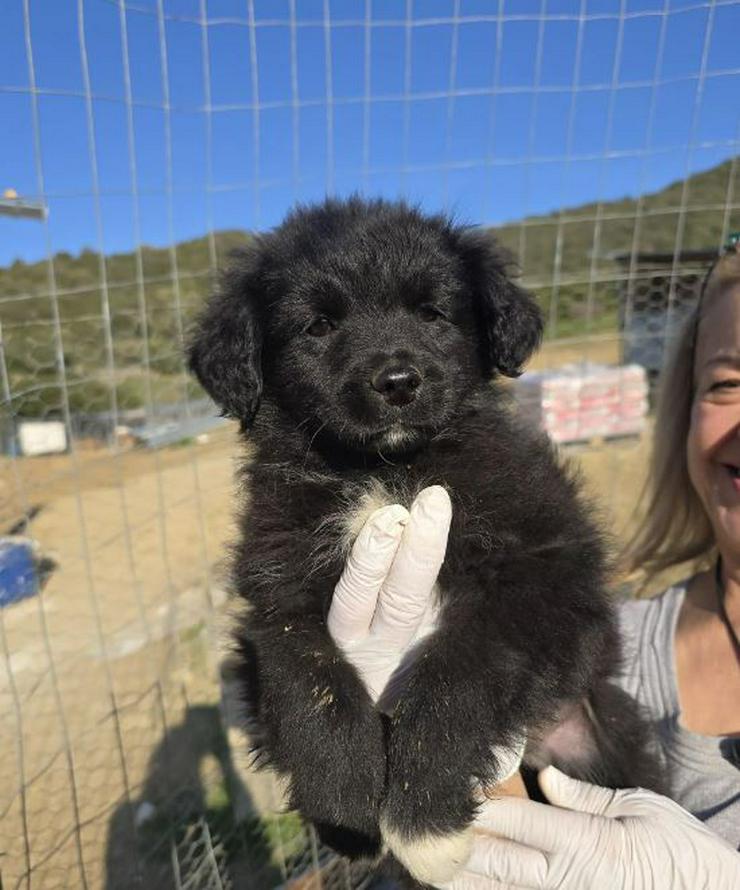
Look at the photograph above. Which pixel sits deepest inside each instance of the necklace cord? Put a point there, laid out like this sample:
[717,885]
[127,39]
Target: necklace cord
[720,589]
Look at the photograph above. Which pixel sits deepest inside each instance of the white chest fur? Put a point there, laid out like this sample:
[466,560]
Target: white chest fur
[362,502]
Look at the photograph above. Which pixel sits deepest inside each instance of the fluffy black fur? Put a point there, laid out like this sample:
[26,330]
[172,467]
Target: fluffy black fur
[357,342]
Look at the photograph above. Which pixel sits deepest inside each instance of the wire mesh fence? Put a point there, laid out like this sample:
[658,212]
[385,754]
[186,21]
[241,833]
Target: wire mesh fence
[158,133]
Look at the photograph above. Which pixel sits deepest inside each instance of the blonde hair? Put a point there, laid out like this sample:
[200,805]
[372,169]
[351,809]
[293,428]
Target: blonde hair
[673,527]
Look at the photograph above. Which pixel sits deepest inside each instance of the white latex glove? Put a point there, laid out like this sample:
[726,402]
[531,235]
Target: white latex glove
[594,839]
[384,602]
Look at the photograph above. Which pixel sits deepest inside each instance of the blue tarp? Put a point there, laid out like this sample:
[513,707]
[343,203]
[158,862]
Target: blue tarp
[18,571]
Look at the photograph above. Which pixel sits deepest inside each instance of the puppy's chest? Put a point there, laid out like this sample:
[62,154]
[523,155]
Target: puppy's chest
[361,499]
[331,533]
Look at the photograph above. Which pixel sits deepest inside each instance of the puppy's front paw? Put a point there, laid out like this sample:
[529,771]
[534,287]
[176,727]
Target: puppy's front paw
[429,858]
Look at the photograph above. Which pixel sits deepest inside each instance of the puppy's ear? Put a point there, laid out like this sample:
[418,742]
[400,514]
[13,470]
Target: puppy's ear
[509,317]
[225,346]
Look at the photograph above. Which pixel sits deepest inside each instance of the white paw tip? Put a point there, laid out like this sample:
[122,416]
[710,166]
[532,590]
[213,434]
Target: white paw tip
[431,858]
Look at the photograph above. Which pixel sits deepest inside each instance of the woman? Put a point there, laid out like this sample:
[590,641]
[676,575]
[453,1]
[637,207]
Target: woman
[682,650]
[682,647]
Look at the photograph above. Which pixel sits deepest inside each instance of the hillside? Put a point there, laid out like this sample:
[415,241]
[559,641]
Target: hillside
[535,242]
[706,196]
[146,321]
[138,354]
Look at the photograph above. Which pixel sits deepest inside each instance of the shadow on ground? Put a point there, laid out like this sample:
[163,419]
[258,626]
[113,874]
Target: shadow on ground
[180,831]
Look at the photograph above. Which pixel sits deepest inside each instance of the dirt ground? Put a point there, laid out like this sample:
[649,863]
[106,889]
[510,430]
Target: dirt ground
[114,659]
[99,665]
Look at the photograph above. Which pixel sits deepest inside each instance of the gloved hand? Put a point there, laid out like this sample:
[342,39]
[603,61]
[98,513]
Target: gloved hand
[594,839]
[384,603]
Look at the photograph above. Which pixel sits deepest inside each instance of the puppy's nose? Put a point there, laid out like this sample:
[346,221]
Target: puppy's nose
[396,384]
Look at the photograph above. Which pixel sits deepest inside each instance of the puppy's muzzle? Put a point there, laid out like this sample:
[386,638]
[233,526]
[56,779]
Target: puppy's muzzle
[398,384]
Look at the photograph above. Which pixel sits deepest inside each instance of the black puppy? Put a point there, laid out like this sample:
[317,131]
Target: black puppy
[356,345]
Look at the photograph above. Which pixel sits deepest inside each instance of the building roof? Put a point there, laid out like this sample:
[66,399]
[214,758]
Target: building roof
[666,259]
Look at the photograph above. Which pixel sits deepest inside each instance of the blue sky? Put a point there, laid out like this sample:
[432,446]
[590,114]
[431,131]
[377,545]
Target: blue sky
[492,117]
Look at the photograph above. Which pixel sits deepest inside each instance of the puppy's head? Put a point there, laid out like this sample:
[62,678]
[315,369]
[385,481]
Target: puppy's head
[367,319]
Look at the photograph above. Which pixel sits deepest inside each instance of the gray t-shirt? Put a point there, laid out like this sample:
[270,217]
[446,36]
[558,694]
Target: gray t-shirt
[704,770]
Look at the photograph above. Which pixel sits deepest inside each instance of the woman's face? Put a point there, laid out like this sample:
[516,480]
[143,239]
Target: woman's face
[713,445]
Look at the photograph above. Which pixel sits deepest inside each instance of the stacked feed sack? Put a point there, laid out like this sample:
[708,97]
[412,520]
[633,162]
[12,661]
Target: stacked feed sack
[585,401]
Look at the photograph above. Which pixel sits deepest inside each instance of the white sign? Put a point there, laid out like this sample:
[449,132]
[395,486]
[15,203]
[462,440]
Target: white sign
[42,437]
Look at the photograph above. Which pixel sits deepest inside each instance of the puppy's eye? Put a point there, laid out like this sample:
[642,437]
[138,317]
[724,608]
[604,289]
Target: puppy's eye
[320,327]
[427,312]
